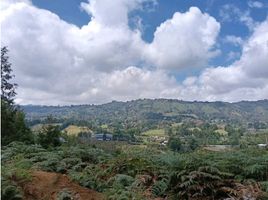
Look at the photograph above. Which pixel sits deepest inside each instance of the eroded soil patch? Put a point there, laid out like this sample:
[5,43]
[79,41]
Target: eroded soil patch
[48,186]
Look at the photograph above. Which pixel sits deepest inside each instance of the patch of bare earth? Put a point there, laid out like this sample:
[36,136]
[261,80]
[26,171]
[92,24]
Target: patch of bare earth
[47,186]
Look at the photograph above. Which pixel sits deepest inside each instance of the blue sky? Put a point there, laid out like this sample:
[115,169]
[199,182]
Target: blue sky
[200,53]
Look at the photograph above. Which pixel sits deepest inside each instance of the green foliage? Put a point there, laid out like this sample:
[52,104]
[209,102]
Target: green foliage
[15,167]
[122,194]
[257,170]
[135,171]
[264,186]
[121,181]
[49,136]
[193,143]
[130,165]
[174,144]
[7,88]
[13,127]
[141,182]
[159,187]
[10,192]
[52,164]
[148,114]
[205,182]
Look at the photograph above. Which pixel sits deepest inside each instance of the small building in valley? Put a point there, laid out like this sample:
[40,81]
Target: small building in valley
[103,137]
[262,146]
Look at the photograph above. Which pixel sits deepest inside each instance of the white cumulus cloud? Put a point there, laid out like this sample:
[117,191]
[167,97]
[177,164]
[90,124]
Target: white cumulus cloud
[185,40]
[56,62]
[246,78]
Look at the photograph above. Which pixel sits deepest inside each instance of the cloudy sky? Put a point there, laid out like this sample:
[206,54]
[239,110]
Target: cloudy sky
[95,51]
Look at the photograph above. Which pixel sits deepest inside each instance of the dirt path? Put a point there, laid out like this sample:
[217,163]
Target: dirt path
[48,186]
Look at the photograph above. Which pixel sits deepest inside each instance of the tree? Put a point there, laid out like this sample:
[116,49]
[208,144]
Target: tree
[49,134]
[7,89]
[13,125]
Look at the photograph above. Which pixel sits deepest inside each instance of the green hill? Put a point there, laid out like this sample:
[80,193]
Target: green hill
[156,111]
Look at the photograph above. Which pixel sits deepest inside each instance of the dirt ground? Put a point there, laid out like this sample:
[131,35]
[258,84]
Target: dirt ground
[48,186]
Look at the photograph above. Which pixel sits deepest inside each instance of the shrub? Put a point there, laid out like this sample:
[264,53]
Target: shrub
[174,144]
[121,181]
[10,192]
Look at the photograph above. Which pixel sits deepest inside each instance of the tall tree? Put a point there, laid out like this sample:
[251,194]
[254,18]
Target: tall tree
[7,88]
[13,125]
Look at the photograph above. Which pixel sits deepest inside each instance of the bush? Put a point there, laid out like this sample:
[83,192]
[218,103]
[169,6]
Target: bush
[174,144]
[121,181]
[10,192]
[49,136]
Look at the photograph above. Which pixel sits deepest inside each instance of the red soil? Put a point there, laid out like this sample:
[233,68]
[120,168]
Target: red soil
[46,186]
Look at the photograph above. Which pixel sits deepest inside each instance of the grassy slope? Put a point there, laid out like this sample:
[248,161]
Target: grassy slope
[75,130]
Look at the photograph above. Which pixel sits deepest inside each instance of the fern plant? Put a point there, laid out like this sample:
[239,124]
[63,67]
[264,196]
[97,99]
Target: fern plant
[206,182]
[159,187]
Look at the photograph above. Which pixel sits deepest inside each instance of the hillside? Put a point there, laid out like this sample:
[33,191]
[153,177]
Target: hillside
[155,111]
